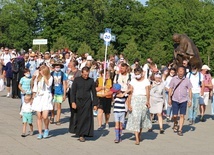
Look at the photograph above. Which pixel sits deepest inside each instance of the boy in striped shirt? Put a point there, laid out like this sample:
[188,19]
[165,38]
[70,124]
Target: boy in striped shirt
[119,109]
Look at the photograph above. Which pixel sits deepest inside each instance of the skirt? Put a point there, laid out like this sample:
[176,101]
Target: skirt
[139,116]
[42,102]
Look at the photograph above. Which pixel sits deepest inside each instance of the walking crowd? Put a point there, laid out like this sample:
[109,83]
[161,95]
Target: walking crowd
[138,93]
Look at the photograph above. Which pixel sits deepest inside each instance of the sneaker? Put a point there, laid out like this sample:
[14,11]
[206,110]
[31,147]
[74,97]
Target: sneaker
[31,133]
[107,126]
[100,128]
[8,95]
[46,132]
[39,136]
[23,135]
[190,122]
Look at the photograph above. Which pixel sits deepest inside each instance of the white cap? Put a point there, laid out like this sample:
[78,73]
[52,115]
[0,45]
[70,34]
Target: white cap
[205,67]
[89,58]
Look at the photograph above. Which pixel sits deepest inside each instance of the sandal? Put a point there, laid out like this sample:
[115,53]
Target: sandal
[137,143]
[161,131]
[175,127]
[82,139]
[58,123]
[51,120]
[180,133]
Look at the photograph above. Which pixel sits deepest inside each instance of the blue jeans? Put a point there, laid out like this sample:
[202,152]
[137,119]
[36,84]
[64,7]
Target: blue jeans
[212,106]
[169,108]
[192,111]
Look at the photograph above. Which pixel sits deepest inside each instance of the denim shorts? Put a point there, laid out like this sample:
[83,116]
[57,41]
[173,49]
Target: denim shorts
[27,117]
[176,106]
[119,117]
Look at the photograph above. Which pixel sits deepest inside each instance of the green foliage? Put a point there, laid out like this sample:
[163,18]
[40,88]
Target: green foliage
[131,51]
[84,48]
[141,31]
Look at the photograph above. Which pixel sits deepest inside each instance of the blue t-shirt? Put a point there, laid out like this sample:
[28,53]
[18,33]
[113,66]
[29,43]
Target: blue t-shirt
[58,85]
[25,83]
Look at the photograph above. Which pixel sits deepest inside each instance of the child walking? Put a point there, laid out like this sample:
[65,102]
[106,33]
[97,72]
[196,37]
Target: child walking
[119,109]
[25,84]
[27,115]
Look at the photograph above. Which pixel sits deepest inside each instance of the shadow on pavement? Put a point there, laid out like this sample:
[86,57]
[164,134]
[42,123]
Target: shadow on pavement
[187,128]
[58,132]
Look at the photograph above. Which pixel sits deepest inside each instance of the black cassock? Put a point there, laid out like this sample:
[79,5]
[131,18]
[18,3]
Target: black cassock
[85,97]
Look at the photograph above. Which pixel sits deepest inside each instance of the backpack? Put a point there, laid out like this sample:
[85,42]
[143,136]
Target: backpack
[53,84]
[15,66]
[129,79]
[199,82]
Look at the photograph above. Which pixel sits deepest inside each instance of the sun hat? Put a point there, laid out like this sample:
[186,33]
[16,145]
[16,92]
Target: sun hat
[58,63]
[205,67]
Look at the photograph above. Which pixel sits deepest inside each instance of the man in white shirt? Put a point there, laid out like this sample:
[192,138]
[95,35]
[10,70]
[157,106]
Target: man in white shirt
[196,78]
[5,58]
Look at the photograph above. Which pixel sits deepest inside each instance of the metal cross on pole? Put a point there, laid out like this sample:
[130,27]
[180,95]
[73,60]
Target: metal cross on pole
[107,37]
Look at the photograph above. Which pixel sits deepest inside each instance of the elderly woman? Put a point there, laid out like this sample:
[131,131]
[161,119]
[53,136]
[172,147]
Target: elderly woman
[138,104]
[157,97]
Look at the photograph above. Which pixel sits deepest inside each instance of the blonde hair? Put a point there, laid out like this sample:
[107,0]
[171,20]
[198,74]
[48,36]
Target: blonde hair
[46,72]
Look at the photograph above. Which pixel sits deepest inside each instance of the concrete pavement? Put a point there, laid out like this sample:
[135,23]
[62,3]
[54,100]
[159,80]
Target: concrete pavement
[197,139]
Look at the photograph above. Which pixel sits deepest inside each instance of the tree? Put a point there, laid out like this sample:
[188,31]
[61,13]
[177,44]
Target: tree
[131,52]
[84,48]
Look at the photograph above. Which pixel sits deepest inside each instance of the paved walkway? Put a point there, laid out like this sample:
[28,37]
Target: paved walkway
[197,139]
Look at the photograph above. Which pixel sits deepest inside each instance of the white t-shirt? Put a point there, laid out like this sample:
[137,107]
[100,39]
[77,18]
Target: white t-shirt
[139,86]
[167,82]
[6,58]
[146,69]
[123,80]
[26,107]
[194,79]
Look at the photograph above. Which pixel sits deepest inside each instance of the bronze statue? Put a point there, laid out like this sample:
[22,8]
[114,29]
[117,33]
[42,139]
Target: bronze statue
[185,49]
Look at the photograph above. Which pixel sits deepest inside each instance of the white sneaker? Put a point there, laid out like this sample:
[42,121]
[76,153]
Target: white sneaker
[107,126]
[8,95]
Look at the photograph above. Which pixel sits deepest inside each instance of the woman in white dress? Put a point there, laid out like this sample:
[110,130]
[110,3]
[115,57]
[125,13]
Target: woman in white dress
[157,97]
[42,102]
[138,104]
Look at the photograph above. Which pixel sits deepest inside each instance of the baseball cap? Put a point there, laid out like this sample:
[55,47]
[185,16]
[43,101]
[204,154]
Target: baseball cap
[116,87]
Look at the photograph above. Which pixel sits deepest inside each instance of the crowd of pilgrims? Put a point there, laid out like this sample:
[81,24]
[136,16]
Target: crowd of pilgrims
[136,93]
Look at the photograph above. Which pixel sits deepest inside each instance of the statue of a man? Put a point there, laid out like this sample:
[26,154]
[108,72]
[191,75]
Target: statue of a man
[185,49]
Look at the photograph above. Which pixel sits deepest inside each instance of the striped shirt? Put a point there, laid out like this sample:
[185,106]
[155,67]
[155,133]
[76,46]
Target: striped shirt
[119,103]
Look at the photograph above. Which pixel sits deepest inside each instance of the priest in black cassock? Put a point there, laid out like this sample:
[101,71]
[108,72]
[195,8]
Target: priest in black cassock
[84,100]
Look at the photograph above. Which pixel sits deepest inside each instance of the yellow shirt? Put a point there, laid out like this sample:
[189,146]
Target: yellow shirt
[108,85]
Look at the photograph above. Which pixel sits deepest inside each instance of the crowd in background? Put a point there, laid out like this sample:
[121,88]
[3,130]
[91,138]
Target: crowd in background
[124,85]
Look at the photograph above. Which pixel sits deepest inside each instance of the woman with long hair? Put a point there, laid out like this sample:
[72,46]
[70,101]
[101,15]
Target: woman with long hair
[42,102]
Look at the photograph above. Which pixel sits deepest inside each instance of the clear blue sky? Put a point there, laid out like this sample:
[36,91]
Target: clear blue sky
[142,1]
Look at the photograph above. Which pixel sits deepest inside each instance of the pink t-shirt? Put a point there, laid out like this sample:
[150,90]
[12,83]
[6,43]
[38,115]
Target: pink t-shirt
[207,80]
